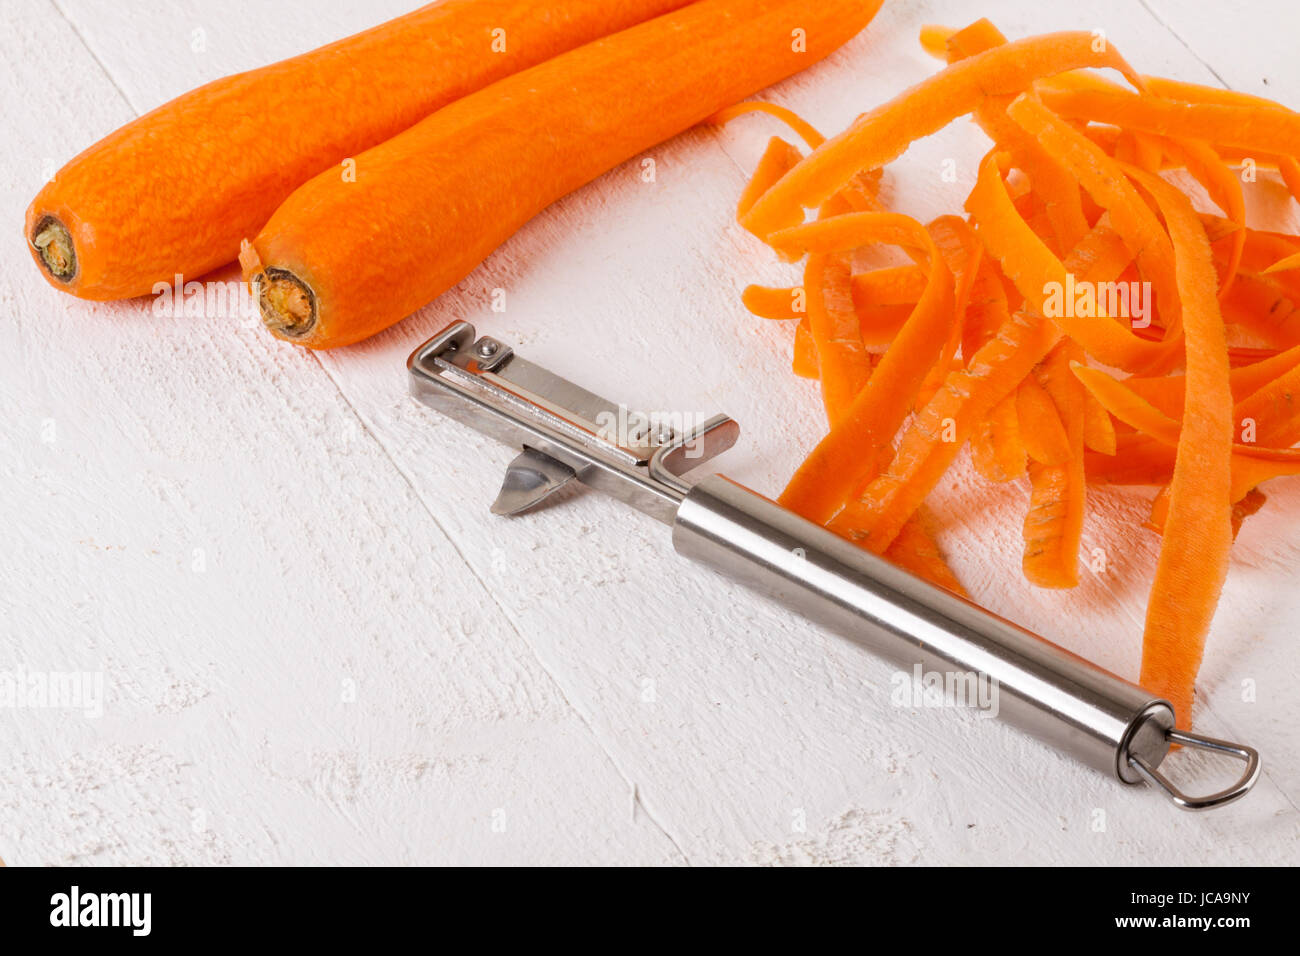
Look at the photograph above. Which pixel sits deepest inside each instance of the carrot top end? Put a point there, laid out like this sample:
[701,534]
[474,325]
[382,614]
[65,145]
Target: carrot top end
[55,248]
[287,304]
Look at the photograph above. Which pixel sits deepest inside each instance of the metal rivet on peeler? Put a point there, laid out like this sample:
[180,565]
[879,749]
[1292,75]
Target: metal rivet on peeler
[487,348]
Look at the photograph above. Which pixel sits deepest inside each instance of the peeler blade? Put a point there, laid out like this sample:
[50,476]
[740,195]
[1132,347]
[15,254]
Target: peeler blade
[530,478]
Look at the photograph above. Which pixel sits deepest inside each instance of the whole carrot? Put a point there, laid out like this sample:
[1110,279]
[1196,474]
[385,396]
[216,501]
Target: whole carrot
[340,261]
[177,189]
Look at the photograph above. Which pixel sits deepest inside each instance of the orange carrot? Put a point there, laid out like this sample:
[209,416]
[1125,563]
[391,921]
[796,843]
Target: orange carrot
[175,190]
[338,262]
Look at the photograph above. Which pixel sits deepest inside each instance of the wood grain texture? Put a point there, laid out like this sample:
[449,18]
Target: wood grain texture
[564,673]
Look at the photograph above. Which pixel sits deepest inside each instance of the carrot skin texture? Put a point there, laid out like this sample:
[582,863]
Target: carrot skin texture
[433,202]
[175,190]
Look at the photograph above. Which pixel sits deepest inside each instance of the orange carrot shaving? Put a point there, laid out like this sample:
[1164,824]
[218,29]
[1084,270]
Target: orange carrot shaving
[1224,124]
[1098,428]
[916,550]
[963,253]
[1039,276]
[778,159]
[768,303]
[1224,187]
[992,335]
[807,132]
[805,363]
[996,446]
[842,359]
[1042,431]
[838,463]
[884,133]
[1054,523]
[1290,262]
[1101,177]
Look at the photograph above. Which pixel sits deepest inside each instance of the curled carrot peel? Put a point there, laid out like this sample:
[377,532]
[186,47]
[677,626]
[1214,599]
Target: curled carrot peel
[1290,262]
[807,132]
[930,444]
[1193,562]
[1226,124]
[884,133]
[1058,190]
[916,549]
[1044,435]
[1132,409]
[1102,178]
[768,303]
[1054,524]
[837,464]
[1224,187]
[1166,393]
[973,338]
[1040,276]
[987,310]
[842,359]
[997,449]
[962,252]
[778,159]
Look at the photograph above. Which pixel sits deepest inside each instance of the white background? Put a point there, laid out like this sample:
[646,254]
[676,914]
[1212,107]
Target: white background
[235,531]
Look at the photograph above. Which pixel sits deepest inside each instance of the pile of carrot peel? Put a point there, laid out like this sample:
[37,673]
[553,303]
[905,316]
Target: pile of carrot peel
[973,342]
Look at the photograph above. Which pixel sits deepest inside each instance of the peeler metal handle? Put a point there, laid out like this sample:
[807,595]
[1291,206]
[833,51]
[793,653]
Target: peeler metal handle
[564,435]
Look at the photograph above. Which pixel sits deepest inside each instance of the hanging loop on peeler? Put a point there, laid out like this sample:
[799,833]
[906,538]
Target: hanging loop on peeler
[1210,801]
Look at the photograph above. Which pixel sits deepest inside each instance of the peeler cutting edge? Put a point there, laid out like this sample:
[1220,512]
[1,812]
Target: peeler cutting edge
[564,435]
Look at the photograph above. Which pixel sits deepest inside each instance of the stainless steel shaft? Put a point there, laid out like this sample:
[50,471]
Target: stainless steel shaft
[1042,688]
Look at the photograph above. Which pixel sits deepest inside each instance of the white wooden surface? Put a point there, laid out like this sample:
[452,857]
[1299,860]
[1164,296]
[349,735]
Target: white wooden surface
[318,647]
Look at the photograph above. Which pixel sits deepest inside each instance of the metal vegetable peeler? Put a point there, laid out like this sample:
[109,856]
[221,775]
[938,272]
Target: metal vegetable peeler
[564,435]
